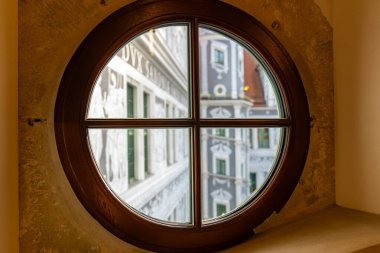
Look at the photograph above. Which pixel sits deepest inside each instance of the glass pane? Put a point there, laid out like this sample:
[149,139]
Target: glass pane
[145,78]
[235,166]
[233,82]
[147,169]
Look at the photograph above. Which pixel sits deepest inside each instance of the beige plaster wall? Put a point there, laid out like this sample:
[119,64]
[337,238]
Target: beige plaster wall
[8,128]
[51,218]
[357,103]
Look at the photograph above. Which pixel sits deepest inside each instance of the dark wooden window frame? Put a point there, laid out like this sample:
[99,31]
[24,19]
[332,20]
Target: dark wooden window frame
[71,125]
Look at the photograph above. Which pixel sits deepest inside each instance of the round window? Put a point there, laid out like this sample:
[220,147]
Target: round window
[153,153]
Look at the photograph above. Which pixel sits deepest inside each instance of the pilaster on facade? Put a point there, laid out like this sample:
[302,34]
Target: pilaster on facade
[234,84]
[203,43]
[237,111]
[139,153]
[239,198]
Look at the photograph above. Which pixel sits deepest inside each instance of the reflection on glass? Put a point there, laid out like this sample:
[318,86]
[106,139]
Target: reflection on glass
[148,73]
[233,82]
[148,169]
[235,166]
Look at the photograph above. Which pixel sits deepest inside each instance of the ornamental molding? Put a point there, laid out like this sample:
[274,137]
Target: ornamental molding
[221,194]
[220,112]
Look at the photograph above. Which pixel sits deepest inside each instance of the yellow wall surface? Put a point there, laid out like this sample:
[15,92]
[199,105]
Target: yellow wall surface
[8,128]
[357,103]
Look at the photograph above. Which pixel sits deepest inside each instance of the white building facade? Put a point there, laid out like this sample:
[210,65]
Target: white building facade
[148,169]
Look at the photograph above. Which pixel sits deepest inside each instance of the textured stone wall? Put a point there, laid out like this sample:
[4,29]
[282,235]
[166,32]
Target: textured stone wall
[51,217]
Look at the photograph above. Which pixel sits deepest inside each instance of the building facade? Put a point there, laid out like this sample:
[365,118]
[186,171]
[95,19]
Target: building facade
[236,162]
[150,169]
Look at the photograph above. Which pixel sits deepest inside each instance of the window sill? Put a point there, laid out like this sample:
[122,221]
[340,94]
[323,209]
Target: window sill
[335,229]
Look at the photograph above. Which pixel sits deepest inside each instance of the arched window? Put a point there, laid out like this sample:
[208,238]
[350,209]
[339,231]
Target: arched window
[158,130]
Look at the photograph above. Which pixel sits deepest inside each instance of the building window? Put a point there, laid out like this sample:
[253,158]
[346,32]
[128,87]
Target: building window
[146,104]
[108,138]
[131,154]
[146,135]
[220,162]
[220,209]
[130,102]
[220,132]
[252,181]
[221,167]
[250,138]
[146,151]
[263,138]
[131,133]
[219,57]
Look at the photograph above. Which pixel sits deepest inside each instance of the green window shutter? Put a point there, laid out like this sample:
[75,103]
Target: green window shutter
[263,137]
[221,132]
[131,154]
[146,149]
[130,101]
[252,181]
[220,166]
[220,209]
[146,104]
[131,133]
[146,141]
